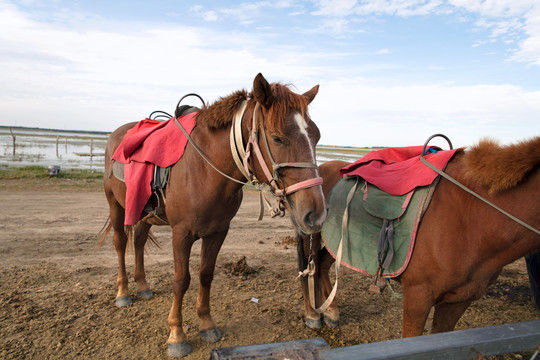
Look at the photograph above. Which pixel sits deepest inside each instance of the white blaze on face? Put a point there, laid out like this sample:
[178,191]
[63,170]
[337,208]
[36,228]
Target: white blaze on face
[302,125]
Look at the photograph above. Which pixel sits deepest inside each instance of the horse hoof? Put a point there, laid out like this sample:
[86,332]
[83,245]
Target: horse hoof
[145,295]
[179,349]
[211,336]
[314,323]
[330,322]
[123,301]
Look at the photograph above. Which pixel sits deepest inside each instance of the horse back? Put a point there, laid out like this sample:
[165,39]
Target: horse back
[329,171]
[114,141]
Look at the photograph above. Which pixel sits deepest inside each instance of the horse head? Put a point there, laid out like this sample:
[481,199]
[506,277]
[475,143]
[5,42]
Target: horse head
[283,125]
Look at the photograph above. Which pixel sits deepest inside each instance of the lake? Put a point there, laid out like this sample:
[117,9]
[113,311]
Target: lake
[72,149]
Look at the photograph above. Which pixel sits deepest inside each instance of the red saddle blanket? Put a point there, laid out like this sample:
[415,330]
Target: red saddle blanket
[398,170]
[147,144]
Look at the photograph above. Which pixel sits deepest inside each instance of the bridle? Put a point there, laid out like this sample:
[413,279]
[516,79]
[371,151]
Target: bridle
[242,155]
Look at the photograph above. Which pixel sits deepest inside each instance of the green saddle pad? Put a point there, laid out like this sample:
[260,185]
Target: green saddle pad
[368,209]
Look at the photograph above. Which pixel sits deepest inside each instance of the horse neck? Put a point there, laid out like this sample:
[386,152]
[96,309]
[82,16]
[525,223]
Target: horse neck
[508,238]
[215,144]
[524,200]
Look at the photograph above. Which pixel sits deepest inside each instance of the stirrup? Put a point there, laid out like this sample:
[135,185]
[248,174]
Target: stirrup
[379,284]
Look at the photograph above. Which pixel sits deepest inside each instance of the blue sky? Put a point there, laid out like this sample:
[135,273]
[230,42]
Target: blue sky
[391,72]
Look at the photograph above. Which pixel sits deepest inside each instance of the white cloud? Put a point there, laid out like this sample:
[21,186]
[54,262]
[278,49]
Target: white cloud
[210,16]
[357,112]
[336,8]
[123,72]
[507,20]
[529,48]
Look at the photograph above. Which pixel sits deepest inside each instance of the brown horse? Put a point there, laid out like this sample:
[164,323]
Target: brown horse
[200,202]
[462,243]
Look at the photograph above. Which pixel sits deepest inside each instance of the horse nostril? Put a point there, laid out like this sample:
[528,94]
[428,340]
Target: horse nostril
[313,220]
[308,219]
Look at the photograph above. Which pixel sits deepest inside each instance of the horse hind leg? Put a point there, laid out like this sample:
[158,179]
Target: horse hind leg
[141,236]
[177,344]
[209,251]
[120,242]
[533,269]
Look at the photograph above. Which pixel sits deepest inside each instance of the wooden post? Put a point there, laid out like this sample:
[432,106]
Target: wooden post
[91,149]
[13,136]
[66,145]
[57,139]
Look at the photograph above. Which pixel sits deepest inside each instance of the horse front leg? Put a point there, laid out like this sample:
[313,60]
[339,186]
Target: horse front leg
[209,251]
[446,316]
[417,302]
[141,235]
[331,314]
[304,246]
[182,242]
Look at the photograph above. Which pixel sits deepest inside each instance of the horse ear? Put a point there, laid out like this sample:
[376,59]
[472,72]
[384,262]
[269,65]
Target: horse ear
[310,95]
[262,91]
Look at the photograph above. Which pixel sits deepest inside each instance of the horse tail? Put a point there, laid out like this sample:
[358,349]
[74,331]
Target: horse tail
[129,230]
[533,268]
[104,232]
[106,229]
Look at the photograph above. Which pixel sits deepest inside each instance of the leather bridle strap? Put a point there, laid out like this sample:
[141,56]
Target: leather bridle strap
[236,142]
[311,268]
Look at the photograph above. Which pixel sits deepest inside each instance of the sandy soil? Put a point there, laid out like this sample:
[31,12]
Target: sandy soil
[57,287]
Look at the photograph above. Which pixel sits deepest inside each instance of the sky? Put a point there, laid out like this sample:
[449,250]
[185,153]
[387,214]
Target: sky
[391,72]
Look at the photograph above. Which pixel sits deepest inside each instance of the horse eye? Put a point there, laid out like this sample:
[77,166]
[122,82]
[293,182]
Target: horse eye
[277,139]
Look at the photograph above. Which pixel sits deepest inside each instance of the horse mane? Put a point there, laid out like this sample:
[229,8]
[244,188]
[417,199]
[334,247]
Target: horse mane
[500,168]
[220,113]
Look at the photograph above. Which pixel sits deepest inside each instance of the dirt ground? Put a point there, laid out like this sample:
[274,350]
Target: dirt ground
[57,287]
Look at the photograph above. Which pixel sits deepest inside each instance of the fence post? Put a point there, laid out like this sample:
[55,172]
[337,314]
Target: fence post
[91,149]
[13,136]
[57,139]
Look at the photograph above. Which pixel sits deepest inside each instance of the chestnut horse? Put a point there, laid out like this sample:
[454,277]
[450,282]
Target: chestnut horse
[200,202]
[462,243]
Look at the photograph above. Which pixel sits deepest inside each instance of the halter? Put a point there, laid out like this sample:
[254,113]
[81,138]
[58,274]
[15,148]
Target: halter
[241,158]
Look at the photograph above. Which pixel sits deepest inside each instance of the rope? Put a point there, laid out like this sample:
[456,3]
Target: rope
[257,187]
[310,271]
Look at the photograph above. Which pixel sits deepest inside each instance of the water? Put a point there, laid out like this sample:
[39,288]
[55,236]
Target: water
[70,150]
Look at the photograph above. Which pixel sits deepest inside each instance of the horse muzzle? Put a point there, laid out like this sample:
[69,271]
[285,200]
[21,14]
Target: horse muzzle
[307,205]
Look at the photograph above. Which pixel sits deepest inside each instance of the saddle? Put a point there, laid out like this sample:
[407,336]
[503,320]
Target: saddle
[376,208]
[156,203]
[381,228]
[155,206]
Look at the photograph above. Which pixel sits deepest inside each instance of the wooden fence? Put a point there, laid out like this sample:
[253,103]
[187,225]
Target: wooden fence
[462,344]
